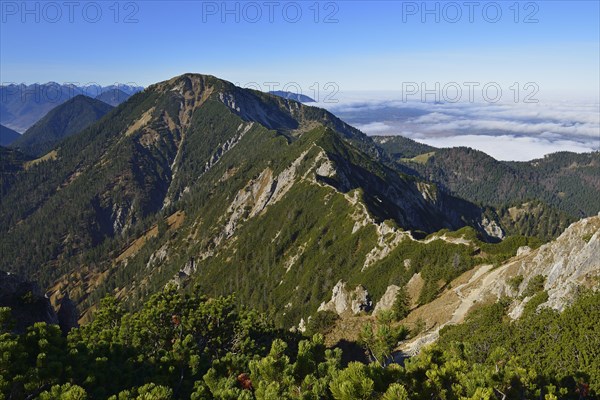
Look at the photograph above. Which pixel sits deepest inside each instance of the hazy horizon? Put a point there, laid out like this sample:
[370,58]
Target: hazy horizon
[449,57]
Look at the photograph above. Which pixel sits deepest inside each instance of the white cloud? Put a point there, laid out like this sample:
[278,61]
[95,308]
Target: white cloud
[433,118]
[509,148]
[508,131]
[374,128]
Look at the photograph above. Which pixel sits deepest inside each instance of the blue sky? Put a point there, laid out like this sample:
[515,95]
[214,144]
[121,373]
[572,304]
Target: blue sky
[372,46]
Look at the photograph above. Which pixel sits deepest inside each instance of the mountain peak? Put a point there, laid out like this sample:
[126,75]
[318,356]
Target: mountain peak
[67,119]
[190,81]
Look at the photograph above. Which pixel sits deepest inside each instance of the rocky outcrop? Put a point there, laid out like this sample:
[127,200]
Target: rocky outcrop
[302,325]
[259,194]
[569,263]
[387,300]
[388,238]
[491,228]
[27,302]
[345,301]
[183,275]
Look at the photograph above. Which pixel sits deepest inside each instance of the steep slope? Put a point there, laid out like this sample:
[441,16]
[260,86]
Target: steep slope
[63,121]
[234,189]
[7,135]
[575,178]
[550,276]
[113,97]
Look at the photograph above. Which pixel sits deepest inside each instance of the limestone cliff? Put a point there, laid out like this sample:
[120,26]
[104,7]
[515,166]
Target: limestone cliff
[344,300]
[567,264]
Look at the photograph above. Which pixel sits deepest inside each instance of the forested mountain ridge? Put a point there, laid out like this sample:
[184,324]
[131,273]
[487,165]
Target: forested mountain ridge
[195,176]
[549,192]
[67,119]
[575,178]
[401,147]
[476,176]
[21,105]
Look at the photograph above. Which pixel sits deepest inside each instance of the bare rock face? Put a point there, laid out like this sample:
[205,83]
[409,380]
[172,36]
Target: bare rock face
[339,299]
[568,264]
[342,300]
[387,300]
[492,228]
[190,267]
[183,275]
[302,325]
[361,301]
[26,301]
[67,315]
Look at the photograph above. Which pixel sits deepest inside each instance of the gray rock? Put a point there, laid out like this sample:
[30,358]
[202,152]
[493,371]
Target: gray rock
[387,300]
[343,301]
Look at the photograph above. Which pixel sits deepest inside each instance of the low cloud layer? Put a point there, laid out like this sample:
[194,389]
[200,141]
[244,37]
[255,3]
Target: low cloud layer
[505,131]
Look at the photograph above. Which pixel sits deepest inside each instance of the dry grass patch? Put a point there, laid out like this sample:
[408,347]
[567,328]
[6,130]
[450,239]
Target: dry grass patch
[174,221]
[47,157]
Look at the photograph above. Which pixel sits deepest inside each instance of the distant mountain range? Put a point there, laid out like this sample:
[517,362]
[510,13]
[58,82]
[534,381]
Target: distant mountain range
[22,105]
[7,135]
[67,119]
[114,97]
[293,96]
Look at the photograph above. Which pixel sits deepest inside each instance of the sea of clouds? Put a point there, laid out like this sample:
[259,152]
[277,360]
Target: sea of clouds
[506,131]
